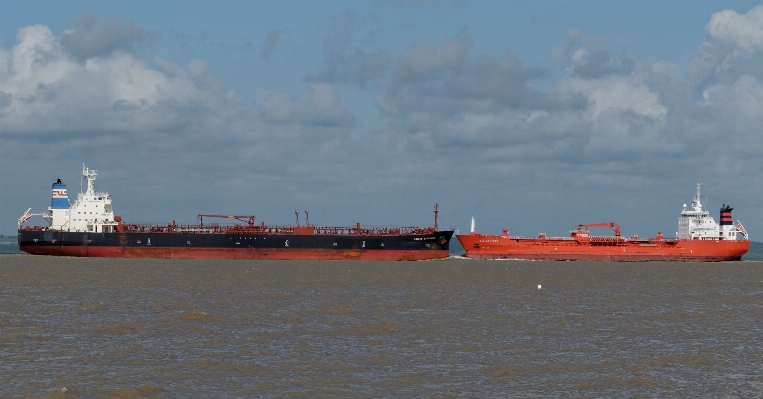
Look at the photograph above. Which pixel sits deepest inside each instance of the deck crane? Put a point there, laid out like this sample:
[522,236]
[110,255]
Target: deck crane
[615,227]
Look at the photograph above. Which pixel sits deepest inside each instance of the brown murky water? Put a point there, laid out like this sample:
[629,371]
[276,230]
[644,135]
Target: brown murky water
[92,328]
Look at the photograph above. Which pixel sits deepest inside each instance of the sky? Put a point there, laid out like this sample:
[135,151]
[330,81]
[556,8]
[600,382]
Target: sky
[533,116]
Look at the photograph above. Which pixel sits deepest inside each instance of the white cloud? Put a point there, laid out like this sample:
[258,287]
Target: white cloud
[322,109]
[47,91]
[618,92]
[468,127]
[92,36]
[160,129]
[604,107]
[36,59]
[743,32]
[428,62]
[608,85]
[738,111]
[733,46]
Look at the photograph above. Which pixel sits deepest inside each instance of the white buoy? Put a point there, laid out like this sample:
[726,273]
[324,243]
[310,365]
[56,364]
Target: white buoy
[538,286]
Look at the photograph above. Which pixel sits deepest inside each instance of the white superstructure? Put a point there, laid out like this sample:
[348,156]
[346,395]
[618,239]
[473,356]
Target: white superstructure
[91,212]
[697,224]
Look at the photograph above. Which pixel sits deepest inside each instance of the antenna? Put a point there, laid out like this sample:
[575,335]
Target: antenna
[697,203]
[436,211]
[90,176]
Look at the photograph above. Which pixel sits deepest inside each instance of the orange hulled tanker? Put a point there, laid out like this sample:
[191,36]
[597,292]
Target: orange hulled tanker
[699,238]
[89,228]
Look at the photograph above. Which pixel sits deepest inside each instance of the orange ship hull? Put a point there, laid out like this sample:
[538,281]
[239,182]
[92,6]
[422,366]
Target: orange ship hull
[479,246]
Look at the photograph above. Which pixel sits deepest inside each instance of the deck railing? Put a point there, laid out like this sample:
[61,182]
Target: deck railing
[214,228]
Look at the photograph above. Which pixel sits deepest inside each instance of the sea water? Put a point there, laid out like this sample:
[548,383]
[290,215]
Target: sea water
[97,328]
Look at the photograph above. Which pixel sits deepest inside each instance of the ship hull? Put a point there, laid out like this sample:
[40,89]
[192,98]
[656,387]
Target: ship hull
[434,245]
[479,246]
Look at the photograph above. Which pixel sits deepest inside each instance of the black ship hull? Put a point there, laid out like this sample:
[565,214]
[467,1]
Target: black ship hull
[432,245]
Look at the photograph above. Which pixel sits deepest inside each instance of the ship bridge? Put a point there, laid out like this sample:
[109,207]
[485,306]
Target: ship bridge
[697,224]
[91,212]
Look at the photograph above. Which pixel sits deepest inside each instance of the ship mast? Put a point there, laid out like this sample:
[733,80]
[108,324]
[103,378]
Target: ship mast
[90,176]
[697,203]
[436,211]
